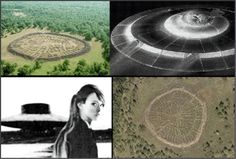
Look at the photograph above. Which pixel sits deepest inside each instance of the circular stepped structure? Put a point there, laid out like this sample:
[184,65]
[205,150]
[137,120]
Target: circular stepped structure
[185,39]
[48,46]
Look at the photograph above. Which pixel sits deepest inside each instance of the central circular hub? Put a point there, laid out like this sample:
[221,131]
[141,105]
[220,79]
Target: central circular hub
[196,24]
[198,18]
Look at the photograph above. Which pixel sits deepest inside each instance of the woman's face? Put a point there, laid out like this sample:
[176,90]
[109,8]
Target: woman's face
[90,109]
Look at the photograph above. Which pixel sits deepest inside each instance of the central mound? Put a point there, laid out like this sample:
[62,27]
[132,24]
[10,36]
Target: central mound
[176,118]
[48,46]
[196,24]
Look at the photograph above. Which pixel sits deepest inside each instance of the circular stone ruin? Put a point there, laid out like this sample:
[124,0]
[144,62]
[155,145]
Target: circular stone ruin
[48,46]
[176,118]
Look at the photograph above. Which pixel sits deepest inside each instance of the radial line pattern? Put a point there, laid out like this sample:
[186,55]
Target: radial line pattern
[200,39]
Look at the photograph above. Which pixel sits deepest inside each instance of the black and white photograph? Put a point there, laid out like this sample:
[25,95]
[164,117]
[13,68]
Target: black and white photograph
[173,38]
[59,117]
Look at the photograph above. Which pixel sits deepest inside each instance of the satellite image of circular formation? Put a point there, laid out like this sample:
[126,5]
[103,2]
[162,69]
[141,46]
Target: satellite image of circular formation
[173,117]
[48,46]
[176,118]
[190,38]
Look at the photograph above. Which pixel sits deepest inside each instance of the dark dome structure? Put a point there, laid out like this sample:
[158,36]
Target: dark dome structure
[35,108]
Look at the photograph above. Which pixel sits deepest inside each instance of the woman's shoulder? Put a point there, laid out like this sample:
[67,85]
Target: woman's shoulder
[80,127]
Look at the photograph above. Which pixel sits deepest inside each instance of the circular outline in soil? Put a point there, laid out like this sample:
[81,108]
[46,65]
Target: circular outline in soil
[200,129]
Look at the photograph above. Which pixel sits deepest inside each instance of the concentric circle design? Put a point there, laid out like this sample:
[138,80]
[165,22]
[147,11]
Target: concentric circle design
[176,118]
[196,24]
[48,46]
[186,39]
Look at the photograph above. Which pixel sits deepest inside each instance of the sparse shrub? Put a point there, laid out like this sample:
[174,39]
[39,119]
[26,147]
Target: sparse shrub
[26,70]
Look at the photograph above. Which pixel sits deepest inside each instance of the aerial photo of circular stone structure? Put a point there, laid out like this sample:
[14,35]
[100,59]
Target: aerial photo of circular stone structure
[48,46]
[176,118]
[189,38]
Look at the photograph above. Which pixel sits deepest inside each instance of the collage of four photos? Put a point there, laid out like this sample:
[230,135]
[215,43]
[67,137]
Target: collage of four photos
[118,79]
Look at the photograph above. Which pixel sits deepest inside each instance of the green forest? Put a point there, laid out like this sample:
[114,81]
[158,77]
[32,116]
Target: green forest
[87,19]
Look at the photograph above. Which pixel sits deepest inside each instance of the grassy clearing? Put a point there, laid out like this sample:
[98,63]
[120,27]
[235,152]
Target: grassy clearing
[133,138]
[94,55]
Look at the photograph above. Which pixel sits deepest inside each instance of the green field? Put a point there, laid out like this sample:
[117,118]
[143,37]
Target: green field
[87,21]
[94,55]
[132,136]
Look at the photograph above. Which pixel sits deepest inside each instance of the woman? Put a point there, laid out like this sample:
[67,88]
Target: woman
[76,139]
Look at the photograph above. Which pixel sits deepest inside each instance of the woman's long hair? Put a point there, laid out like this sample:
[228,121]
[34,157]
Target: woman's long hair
[60,149]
